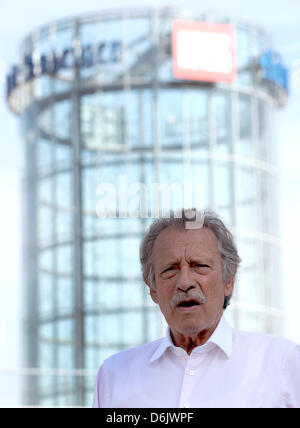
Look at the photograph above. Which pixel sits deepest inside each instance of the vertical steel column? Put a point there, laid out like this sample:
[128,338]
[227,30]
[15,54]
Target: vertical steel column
[157,153]
[55,350]
[189,198]
[126,80]
[144,200]
[30,255]
[211,148]
[235,135]
[78,244]
[258,207]
[274,278]
[156,142]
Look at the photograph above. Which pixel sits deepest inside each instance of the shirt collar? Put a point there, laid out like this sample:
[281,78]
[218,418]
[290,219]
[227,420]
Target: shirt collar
[221,337]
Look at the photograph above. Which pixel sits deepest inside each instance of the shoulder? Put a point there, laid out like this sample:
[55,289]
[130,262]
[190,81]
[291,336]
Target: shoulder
[263,344]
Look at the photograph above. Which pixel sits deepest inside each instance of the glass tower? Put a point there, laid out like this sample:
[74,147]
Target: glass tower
[103,119]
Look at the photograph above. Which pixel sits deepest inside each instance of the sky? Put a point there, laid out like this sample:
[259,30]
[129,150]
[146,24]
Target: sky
[17,19]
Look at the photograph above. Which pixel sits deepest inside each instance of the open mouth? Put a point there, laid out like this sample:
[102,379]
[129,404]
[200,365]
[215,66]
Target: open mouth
[188,304]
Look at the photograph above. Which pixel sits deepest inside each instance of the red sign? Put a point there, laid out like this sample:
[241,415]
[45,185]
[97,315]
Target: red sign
[203,51]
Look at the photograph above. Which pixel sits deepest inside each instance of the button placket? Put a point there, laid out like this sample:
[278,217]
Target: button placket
[187,384]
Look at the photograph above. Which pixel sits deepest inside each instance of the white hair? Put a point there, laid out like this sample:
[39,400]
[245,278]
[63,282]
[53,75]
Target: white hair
[211,221]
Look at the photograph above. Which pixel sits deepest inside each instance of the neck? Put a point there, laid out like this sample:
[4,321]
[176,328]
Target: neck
[190,340]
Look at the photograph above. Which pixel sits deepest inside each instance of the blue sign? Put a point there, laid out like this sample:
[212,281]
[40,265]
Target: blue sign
[87,56]
[274,70]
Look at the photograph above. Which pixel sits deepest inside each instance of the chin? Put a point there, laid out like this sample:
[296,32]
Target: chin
[190,328]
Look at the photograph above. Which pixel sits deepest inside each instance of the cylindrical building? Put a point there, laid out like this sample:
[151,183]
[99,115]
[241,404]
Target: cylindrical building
[114,105]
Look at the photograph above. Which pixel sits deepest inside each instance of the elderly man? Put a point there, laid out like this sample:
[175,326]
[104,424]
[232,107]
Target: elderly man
[202,361]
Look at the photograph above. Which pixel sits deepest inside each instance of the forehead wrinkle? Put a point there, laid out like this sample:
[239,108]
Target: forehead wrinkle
[199,255]
[166,259]
[172,249]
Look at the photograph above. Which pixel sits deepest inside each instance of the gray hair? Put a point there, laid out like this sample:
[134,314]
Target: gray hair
[181,220]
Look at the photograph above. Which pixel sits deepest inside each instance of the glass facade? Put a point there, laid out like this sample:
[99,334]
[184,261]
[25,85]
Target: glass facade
[123,120]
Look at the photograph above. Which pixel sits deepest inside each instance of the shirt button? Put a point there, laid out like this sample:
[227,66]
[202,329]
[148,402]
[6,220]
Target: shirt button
[187,405]
[192,372]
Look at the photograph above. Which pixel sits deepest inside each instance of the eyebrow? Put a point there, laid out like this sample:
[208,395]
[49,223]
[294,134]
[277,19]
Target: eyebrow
[203,259]
[168,264]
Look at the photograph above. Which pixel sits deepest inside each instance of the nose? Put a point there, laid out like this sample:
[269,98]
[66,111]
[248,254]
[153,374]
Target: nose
[186,289]
[185,282]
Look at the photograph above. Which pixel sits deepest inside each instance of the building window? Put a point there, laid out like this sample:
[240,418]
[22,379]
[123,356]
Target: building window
[103,121]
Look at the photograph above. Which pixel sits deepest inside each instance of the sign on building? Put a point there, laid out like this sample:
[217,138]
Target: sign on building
[203,51]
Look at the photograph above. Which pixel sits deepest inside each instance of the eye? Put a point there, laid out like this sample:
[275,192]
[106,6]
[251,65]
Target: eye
[201,267]
[169,268]
[169,271]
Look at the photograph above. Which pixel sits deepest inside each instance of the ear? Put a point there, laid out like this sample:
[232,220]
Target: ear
[153,294]
[228,288]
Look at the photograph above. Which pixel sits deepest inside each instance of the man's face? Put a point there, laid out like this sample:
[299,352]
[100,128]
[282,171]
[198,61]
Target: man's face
[187,264]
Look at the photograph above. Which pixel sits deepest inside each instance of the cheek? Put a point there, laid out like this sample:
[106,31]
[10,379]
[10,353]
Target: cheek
[212,286]
[164,292]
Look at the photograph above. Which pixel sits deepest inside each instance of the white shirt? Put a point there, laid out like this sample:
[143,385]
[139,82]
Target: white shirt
[232,369]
